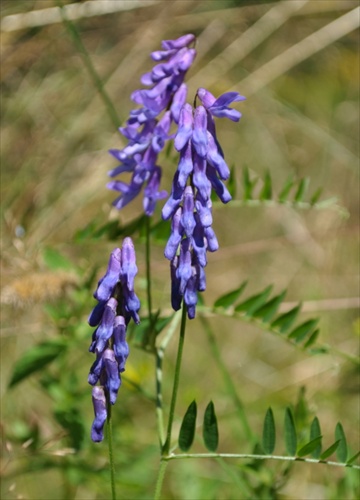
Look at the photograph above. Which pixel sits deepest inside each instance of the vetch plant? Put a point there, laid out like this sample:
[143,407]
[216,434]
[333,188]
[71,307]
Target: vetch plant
[165,115]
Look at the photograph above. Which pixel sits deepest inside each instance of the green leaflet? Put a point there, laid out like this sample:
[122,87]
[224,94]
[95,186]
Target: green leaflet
[353,458]
[329,451]
[187,429]
[268,310]
[312,339]
[250,305]
[266,192]
[315,431]
[301,190]
[35,359]
[228,299]
[290,433]
[310,447]
[283,196]
[269,433]
[303,330]
[341,452]
[210,428]
[285,320]
[248,185]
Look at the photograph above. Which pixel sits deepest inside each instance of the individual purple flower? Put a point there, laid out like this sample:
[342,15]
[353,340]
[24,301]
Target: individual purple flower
[146,130]
[117,304]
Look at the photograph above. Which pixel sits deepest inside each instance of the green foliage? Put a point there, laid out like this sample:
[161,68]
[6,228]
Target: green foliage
[315,432]
[341,451]
[187,429]
[35,359]
[290,432]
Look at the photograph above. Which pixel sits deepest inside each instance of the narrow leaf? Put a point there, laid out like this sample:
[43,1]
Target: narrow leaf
[353,458]
[248,184]
[187,429]
[266,192]
[301,190]
[329,451]
[342,451]
[285,320]
[228,299]
[303,330]
[315,197]
[231,183]
[268,310]
[35,359]
[310,447]
[315,431]
[312,339]
[286,190]
[55,260]
[269,433]
[210,428]
[250,305]
[290,433]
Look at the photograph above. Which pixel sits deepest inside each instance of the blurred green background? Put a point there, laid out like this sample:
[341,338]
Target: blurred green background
[300,119]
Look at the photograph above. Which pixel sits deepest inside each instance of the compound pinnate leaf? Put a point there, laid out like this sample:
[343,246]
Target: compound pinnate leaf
[187,429]
[290,433]
[35,359]
[210,428]
[342,451]
[228,299]
[269,433]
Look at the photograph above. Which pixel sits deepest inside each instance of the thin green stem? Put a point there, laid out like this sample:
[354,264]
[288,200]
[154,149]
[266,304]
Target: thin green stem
[231,389]
[257,457]
[160,479]
[166,447]
[148,267]
[111,452]
[70,26]
[159,353]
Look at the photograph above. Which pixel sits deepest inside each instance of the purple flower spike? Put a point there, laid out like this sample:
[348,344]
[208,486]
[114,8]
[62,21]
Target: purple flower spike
[190,297]
[108,282]
[176,297]
[112,378]
[184,270]
[200,180]
[99,404]
[216,160]
[174,199]
[151,192]
[178,102]
[132,305]
[199,137]
[95,370]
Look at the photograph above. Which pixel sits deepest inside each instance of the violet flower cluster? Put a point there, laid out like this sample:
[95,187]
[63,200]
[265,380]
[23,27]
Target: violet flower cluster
[117,305]
[200,170]
[145,131]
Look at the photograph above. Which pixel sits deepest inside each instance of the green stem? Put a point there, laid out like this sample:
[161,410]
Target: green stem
[111,451]
[166,447]
[231,389]
[148,268]
[70,26]
[160,479]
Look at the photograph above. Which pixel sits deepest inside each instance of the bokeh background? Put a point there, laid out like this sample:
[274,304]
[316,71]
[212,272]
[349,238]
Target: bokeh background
[297,63]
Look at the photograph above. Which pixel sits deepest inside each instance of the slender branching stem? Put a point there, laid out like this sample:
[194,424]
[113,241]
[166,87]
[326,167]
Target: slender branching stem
[250,456]
[111,451]
[166,447]
[148,267]
[160,479]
